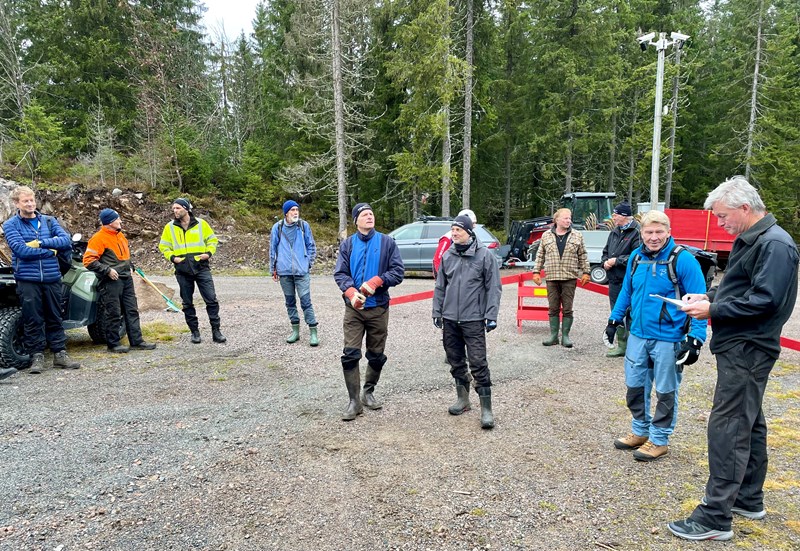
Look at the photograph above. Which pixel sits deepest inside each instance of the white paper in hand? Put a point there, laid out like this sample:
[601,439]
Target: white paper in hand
[677,302]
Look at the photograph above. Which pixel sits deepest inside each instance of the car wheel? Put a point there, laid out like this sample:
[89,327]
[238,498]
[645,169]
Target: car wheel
[599,275]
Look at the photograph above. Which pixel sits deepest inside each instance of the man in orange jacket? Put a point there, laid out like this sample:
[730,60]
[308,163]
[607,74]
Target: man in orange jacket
[109,256]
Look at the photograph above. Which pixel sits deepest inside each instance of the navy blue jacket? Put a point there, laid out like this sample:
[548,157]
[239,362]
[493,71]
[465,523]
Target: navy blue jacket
[37,265]
[389,267]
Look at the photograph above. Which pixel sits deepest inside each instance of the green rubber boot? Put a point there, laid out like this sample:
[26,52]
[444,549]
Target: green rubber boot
[622,343]
[566,326]
[314,339]
[462,403]
[295,336]
[553,332]
[487,417]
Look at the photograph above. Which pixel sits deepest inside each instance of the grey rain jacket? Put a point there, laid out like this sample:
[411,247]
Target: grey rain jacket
[468,285]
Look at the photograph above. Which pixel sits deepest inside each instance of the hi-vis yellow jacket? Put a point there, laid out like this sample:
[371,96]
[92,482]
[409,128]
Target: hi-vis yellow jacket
[197,239]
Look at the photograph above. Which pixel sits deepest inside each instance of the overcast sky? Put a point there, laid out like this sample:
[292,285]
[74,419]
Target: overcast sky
[234,14]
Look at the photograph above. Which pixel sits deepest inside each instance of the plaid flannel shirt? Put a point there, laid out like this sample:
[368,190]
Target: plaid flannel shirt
[572,265]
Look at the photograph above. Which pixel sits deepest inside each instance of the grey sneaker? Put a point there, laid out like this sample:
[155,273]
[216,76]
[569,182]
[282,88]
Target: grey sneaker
[691,530]
[62,361]
[37,364]
[752,515]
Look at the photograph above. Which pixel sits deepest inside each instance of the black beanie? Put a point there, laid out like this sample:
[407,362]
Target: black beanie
[358,209]
[464,223]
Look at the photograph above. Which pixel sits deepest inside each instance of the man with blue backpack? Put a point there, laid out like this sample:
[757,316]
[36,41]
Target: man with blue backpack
[662,339]
[292,252]
[35,240]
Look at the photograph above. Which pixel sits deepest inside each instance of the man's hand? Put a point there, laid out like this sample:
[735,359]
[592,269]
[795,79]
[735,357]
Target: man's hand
[700,310]
[369,287]
[689,351]
[610,263]
[33,244]
[356,299]
[112,273]
[491,325]
[586,278]
[438,323]
[274,275]
[177,259]
[610,333]
[537,279]
[691,298]
[204,256]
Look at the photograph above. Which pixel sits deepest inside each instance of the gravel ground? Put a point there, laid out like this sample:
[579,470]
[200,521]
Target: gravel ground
[240,446]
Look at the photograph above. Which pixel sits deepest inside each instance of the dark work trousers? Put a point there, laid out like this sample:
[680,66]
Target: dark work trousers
[737,436]
[560,295]
[119,299]
[469,335]
[41,316]
[205,284]
[613,293]
[372,322]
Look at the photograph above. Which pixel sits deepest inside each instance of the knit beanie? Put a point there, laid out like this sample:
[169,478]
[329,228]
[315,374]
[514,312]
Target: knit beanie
[464,223]
[358,209]
[107,216]
[289,205]
[184,203]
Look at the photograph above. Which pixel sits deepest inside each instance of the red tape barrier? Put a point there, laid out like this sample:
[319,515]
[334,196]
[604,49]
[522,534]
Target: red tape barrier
[786,342]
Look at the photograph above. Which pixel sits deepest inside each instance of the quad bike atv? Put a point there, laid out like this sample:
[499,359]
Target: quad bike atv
[80,307]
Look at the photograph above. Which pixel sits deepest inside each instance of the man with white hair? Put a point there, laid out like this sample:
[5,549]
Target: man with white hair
[447,239]
[748,311]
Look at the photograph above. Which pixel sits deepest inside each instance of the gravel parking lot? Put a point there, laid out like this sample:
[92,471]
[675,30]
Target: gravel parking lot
[240,446]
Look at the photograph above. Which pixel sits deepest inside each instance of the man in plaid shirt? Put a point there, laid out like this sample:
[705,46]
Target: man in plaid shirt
[562,254]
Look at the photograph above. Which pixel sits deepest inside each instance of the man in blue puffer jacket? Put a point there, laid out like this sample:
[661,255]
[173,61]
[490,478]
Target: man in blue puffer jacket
[659,344]
[34,239]
[292,252]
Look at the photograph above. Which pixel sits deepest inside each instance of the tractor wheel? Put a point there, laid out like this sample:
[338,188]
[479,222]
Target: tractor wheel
[12,354]
[532,250]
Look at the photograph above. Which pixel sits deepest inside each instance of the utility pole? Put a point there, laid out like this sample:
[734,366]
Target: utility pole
[661,45]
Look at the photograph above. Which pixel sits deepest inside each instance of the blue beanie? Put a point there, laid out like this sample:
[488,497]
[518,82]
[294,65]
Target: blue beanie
[289,205]
[107,216]
[358,209]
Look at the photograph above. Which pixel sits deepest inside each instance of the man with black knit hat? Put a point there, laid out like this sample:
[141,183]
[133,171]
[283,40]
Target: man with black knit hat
[108,255]
[292,252]
[368,264]
[188,243]
[466,301]
[623,239]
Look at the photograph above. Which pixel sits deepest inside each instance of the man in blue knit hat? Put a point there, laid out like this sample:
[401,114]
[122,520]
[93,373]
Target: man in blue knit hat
[292,252]
[368,264]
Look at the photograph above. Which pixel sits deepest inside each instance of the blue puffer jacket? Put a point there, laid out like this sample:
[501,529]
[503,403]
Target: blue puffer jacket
[35,264]
[652,318]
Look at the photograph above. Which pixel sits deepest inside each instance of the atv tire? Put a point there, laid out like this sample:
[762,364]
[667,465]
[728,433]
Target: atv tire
[97,330]
[12,353]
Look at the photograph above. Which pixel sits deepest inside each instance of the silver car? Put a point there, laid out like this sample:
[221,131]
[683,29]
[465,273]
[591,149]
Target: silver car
[418,241]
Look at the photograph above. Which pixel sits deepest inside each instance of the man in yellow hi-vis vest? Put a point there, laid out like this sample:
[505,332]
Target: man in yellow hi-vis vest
[188,243]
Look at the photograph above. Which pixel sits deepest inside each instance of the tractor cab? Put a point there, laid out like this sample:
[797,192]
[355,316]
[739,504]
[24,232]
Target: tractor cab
[590,210]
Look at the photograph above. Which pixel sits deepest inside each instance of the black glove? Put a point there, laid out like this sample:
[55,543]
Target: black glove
[437,323]
[611,332]
[688,352]
[491,325]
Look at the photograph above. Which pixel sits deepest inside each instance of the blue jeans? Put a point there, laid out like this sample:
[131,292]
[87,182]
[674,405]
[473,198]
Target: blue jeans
[300,285]
[649,361]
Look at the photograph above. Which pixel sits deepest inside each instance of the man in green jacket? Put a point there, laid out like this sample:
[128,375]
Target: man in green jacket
[188,243]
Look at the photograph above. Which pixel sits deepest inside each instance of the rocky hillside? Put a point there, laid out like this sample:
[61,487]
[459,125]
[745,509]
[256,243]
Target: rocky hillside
[143,219]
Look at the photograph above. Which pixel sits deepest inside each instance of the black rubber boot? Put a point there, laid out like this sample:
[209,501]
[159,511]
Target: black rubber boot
[462,404]
[553,332]
[352,379]
[217,336]
[566,327]
[196,339]
[487,417]
[371,378]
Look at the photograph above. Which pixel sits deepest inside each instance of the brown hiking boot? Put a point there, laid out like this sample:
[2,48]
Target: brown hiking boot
[630,442]
[61,360]
[650,452]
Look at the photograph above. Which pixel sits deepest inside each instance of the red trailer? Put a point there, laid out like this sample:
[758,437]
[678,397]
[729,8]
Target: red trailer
[699,228]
